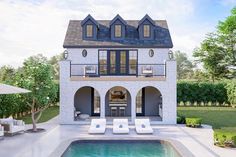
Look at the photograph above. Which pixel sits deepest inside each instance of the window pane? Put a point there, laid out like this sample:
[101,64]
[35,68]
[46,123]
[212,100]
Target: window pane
[146,30]
[89,30]
[112,62]
[132,62]
[103,62]
[139,102]
[122,62]
[117,30]
[96,106]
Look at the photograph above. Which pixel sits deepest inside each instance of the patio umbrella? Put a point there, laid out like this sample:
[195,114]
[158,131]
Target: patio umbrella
[7,89]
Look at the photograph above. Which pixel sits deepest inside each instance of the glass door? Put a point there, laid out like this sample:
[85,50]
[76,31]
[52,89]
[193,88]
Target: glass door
[113,65]
[95,103]
[123,62]
[140,103]
[118,61]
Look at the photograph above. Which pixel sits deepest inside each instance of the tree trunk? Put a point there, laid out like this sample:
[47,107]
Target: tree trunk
[33,115]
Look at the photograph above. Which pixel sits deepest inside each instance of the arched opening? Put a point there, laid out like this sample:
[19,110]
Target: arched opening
[86,103]
[149,103]
[118,102]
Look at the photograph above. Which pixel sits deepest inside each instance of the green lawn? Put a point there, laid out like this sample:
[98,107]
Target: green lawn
[218,117]
[47,114]
[222,119]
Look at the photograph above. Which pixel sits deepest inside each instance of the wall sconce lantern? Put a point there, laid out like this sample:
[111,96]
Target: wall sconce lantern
[151,53]
[65,54]
[84,53]
[171,55]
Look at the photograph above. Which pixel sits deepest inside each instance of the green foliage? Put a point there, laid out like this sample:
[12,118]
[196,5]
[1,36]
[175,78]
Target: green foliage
[35,75]
[184,65]
[225,137]
[222,119]
[197,92]
[218,52]
[217,117]
[234,140]
[231,91]
[6,72]
[38,78]
[180,119]
[212,55]
[193,122]
[48,114]
[54,62]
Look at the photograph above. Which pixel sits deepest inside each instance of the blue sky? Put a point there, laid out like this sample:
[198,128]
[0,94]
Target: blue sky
[30,27]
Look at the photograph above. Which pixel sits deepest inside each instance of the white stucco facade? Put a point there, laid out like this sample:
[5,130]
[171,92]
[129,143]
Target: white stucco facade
[166,86]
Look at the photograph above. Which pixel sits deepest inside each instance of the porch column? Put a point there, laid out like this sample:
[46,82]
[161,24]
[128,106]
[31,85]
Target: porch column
[102,105]
[133,106]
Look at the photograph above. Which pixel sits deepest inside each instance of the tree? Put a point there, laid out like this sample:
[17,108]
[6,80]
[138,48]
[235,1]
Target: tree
[38,77]
[227,37]
[212,55]
[54,62]
[6,73]
[184,65]
[218,51]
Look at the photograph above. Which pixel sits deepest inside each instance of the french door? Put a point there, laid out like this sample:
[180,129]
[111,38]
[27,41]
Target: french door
[118,62]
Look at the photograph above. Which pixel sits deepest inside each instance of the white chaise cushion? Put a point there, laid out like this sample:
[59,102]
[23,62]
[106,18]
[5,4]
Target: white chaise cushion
[120,126]
[143,126]
[98,126]
[1,131]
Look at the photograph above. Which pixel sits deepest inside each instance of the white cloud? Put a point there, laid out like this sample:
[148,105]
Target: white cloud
[31,27]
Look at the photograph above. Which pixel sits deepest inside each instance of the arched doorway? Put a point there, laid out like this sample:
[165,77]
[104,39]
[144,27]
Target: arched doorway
[87,102]
[118,102]
[149,102]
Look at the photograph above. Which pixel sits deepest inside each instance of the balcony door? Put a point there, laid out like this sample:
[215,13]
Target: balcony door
[118,61]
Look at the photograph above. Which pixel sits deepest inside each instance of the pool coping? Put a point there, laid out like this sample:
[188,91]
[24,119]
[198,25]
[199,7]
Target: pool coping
[178,146]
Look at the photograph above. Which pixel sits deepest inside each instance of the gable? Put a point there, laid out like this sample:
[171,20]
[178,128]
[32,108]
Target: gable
[89,20]
[146,18]
[118,18]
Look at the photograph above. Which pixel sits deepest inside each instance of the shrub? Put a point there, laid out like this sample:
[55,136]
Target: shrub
[225,137]
[234,140]
[193,122]
[180,119]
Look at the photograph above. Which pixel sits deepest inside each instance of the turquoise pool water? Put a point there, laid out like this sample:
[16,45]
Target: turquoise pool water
[120,149]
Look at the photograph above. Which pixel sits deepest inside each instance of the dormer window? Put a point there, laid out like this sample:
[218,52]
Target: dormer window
[117,28]
[89,30]
[146,31]
[117,31]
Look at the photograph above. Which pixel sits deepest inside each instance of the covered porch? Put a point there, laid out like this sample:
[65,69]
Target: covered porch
[117,103]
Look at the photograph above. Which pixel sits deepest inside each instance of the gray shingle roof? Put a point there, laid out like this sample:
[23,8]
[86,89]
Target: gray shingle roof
[74,36]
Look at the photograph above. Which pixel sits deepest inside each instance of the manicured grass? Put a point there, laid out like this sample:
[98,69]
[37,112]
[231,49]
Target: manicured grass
[222,119]
[218,117]
[47,114]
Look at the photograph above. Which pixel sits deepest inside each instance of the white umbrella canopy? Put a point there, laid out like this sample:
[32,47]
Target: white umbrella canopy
[7,89]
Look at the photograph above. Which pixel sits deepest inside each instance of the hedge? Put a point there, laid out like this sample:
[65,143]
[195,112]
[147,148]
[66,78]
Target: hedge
[223,92]
[193,122]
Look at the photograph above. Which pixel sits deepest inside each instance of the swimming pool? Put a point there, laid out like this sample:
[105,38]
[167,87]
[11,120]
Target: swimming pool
[120,148]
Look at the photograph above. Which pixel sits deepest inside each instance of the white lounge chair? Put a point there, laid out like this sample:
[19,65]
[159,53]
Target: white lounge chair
[120,126]
[1,132]
[12,126]
[98,126]
[143,126]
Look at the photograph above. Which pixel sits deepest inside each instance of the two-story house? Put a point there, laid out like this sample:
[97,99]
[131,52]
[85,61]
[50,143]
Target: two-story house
[117,68]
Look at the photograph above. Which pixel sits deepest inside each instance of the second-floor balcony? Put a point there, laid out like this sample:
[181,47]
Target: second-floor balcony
[116,72]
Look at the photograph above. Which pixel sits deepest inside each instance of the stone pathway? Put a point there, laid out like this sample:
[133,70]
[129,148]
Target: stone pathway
[198,141]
